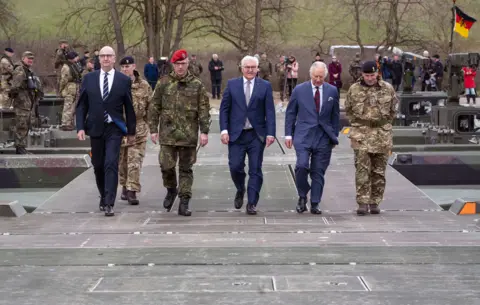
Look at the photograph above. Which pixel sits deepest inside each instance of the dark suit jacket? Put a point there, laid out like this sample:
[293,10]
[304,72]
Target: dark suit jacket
[260,110]
[302,119]
[91,107]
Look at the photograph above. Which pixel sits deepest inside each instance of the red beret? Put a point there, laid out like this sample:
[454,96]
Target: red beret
[179,55]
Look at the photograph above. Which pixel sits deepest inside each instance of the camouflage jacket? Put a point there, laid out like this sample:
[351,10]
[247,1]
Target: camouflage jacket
[141,96]
[265,67]
[60,57]
[70,79]
[280,69]
[371,110]
[6,71]
[195,68]
[23,96]
[86,71]
[355,69]
[180,106]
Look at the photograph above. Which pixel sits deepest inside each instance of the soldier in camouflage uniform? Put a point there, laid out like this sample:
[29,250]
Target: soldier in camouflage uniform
[23,93]
[60,59]
[6,71]
[69,87]
[181,105]
[265,67]
[370,107]
[195,67]
[131,155]
[280,69]
[355,68]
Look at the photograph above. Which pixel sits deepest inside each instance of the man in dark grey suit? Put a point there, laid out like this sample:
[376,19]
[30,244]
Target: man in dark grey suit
[312,123]
[105,96]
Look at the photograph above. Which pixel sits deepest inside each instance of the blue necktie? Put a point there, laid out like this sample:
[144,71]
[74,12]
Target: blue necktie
[105,94]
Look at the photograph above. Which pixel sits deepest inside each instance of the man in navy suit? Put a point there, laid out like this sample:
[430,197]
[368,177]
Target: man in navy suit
[312,119]
[247,124]
[105,96]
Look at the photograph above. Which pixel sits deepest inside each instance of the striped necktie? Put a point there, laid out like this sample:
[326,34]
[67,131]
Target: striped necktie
[105,94]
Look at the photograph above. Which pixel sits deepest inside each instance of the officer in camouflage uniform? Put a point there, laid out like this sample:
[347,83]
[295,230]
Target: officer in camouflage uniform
[69,87]
[6,71]
[181,105]
[131,155]
[195,67]
[355,68]
[265,67]
[370,107]
[23,93]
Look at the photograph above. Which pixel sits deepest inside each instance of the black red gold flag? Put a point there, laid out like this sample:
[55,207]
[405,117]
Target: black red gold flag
[463,23]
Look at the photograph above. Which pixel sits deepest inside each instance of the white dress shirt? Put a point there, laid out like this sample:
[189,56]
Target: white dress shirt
[110,77]
[314,90]
[252,84]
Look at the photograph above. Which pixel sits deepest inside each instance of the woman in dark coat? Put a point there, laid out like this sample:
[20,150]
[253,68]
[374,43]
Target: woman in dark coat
[335,74]
[216,67]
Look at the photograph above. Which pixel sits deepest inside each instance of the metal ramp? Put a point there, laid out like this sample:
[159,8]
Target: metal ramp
[67,252]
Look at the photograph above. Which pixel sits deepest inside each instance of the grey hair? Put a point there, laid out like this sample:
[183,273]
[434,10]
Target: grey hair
[319,64]
[214,55]
[248,58]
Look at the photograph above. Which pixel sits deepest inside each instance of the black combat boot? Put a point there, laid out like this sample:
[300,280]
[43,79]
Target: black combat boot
[132,198]
[183,207]
[362,209]
[124,193]
[170,198]
[374,209]
[20,150]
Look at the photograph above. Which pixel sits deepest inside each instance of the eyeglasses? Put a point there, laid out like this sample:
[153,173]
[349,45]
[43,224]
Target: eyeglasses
[249,67]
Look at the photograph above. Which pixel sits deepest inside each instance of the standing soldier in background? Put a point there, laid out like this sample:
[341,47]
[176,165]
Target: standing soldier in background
[6,70]
[370,108]
[70,80]
[23,92]
[132,154]
[60,60]
[355,68]
[195,67]
[280,69]
[181,104]
[265,67]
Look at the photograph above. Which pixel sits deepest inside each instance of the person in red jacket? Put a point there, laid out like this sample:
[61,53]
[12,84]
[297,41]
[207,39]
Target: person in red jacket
[469,76]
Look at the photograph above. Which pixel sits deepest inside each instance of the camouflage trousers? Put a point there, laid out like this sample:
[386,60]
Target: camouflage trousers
[23,122]
[130,165]
[68,110]
[370,176]
[186,156]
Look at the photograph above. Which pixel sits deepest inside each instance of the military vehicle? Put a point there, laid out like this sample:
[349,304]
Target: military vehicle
[446,149]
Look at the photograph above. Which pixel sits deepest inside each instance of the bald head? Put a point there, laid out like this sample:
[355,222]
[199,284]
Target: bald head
[107,58]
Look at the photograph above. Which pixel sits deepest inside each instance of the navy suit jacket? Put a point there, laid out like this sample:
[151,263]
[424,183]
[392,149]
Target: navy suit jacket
[302,119]
[91,106]
[260,110]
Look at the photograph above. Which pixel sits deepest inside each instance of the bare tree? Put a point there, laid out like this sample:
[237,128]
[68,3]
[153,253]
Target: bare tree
[245,24]
[8,20]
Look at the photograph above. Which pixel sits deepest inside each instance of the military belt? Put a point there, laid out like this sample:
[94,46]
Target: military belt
[372,124]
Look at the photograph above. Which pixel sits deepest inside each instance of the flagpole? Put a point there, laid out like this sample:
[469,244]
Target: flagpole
[450,51]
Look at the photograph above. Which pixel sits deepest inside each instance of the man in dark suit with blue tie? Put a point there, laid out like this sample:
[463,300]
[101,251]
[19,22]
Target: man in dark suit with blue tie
[105,96]
[312,122]
[247,124]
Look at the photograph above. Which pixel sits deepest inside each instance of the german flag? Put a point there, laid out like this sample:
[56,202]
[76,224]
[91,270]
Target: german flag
[463,22]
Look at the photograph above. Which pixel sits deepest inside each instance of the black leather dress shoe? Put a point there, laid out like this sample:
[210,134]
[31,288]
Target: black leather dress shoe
[251,209]
[101,205]
[239,200]
[301,205]
[109,210]
[315,209]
